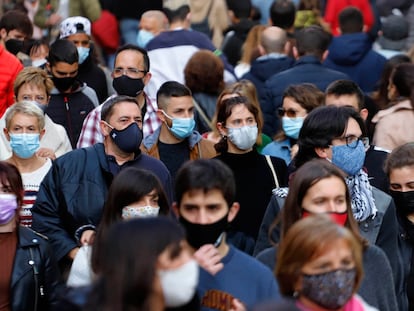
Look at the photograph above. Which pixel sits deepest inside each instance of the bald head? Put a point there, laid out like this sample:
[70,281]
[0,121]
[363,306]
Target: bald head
[153,21]
[273,40]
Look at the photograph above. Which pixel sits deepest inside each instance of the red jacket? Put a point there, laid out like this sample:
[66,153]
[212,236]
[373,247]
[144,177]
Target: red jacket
[334,7]
[10,66]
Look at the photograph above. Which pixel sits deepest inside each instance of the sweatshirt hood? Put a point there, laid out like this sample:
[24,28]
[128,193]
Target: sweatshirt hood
[349,49]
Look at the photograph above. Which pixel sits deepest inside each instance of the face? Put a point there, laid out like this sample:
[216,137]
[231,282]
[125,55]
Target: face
[402,179]
[392,90]
[293,109]
[131,63]
[337,256]
[23,123]
[150,24]
[352,133]
[204,208]
[345,100]
[327,195]
[32,92]
[240,116]
[178,107]
[123,115]
[64,70]
[150,199]
[80,40]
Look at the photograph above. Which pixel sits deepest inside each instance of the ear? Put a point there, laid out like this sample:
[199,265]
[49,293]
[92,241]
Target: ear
[104,128]
[3,33]
[261,50]
[175,209]
[364,113]
[322,152]
[147,78]
[48,67]
[325,55]
[42,133]
[364,28]
[295,52]
[221,129]
[338,29]
[234,209]
[287,48]
[6,133]
[160,115]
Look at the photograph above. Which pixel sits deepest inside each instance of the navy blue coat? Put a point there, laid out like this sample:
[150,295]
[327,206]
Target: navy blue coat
[352,54]
[307,69]
[73,193]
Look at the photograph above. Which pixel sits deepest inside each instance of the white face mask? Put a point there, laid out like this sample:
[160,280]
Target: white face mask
[243,137]
[129,212]
[179,285]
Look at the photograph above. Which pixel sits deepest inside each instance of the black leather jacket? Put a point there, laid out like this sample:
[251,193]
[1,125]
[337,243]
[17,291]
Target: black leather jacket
[35,278]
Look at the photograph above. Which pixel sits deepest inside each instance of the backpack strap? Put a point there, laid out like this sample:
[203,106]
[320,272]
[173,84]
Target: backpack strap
[270,163]
[202,114]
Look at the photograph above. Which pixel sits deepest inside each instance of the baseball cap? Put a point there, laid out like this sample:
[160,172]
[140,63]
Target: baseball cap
[73,25]
[395,30]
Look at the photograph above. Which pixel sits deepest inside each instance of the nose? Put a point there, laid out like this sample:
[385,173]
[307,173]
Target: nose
[202,218]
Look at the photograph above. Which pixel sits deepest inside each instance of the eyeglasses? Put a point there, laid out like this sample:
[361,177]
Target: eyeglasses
[352,141]
[290,113]
[130,72]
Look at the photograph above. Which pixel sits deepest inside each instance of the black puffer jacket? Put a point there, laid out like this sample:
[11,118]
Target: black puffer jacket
[35,280]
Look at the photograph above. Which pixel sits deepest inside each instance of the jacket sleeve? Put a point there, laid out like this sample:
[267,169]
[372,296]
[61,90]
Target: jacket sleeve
[48,214]
[263,238]
[91,9]
[40,18]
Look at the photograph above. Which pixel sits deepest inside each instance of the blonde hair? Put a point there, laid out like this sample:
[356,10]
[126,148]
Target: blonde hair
[34,76]
[27,108]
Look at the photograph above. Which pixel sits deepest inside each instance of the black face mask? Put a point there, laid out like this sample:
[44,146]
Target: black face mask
[404,202]
[125,85]
[63,84]
[14,46]
[199,235]
[129,139]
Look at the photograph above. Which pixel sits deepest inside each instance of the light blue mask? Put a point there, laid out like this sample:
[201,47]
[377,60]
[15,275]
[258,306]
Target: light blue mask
[292,126]
[181,127]
[83,53]
[349,159]
[144,37]
[24,145]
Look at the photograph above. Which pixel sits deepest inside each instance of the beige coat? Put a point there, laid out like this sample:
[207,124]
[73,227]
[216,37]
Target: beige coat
[394,126]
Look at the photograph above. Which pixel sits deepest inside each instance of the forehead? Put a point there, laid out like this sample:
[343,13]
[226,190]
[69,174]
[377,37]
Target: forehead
[31,88]
[149,23]
[129,58]
[353,128]
[78,37]
[125,109]
[180,102]
[346,100]
[23,118]
[402,174]
[291,103]
[240,111]
[330,185]
[65,67]
[202,198]
[15,33]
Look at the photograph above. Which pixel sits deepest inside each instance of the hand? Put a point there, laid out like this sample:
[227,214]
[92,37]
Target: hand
[209,258]
[87,238]
[53,19]
[73,252]
[46,153]
[237,305]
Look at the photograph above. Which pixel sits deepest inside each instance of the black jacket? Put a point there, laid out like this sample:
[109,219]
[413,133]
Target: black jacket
[35,278]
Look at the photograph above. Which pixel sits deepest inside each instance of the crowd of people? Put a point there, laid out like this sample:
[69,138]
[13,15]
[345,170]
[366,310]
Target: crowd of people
[191,155]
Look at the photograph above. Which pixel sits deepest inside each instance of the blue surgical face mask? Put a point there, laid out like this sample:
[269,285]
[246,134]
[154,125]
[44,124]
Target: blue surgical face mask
[144,37]
[243,137]
[181,127]
[349,159]
[83,53]
[292,126]
[24,145]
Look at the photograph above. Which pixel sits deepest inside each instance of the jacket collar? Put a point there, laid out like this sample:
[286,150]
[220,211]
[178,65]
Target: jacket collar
[152,139]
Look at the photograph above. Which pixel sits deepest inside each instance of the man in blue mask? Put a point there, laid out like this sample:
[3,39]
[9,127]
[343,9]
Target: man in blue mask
[176,141]
[152,22]
[77,29]
[72,195]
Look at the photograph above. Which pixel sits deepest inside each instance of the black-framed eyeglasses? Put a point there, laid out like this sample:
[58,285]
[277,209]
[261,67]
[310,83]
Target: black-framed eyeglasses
[352,141]
[130,72]
[290,113]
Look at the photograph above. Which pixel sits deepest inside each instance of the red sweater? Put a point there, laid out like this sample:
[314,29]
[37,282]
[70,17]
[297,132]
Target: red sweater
[334,7]
[10,66]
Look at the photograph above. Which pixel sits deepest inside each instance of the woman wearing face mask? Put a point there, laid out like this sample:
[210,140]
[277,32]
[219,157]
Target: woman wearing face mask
[318,187]
[256,176]
[144,264]
[28,271]
[399,167]
[298,101]
[25,124]
[320,264]
[134,193]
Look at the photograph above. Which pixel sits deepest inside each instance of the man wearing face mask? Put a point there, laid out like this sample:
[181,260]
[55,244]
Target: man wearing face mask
[130,75]
[152,22]
[72,195]
[8,62]
[205,205]
[70,100]
[15,28]
[77,29]
[176,141]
